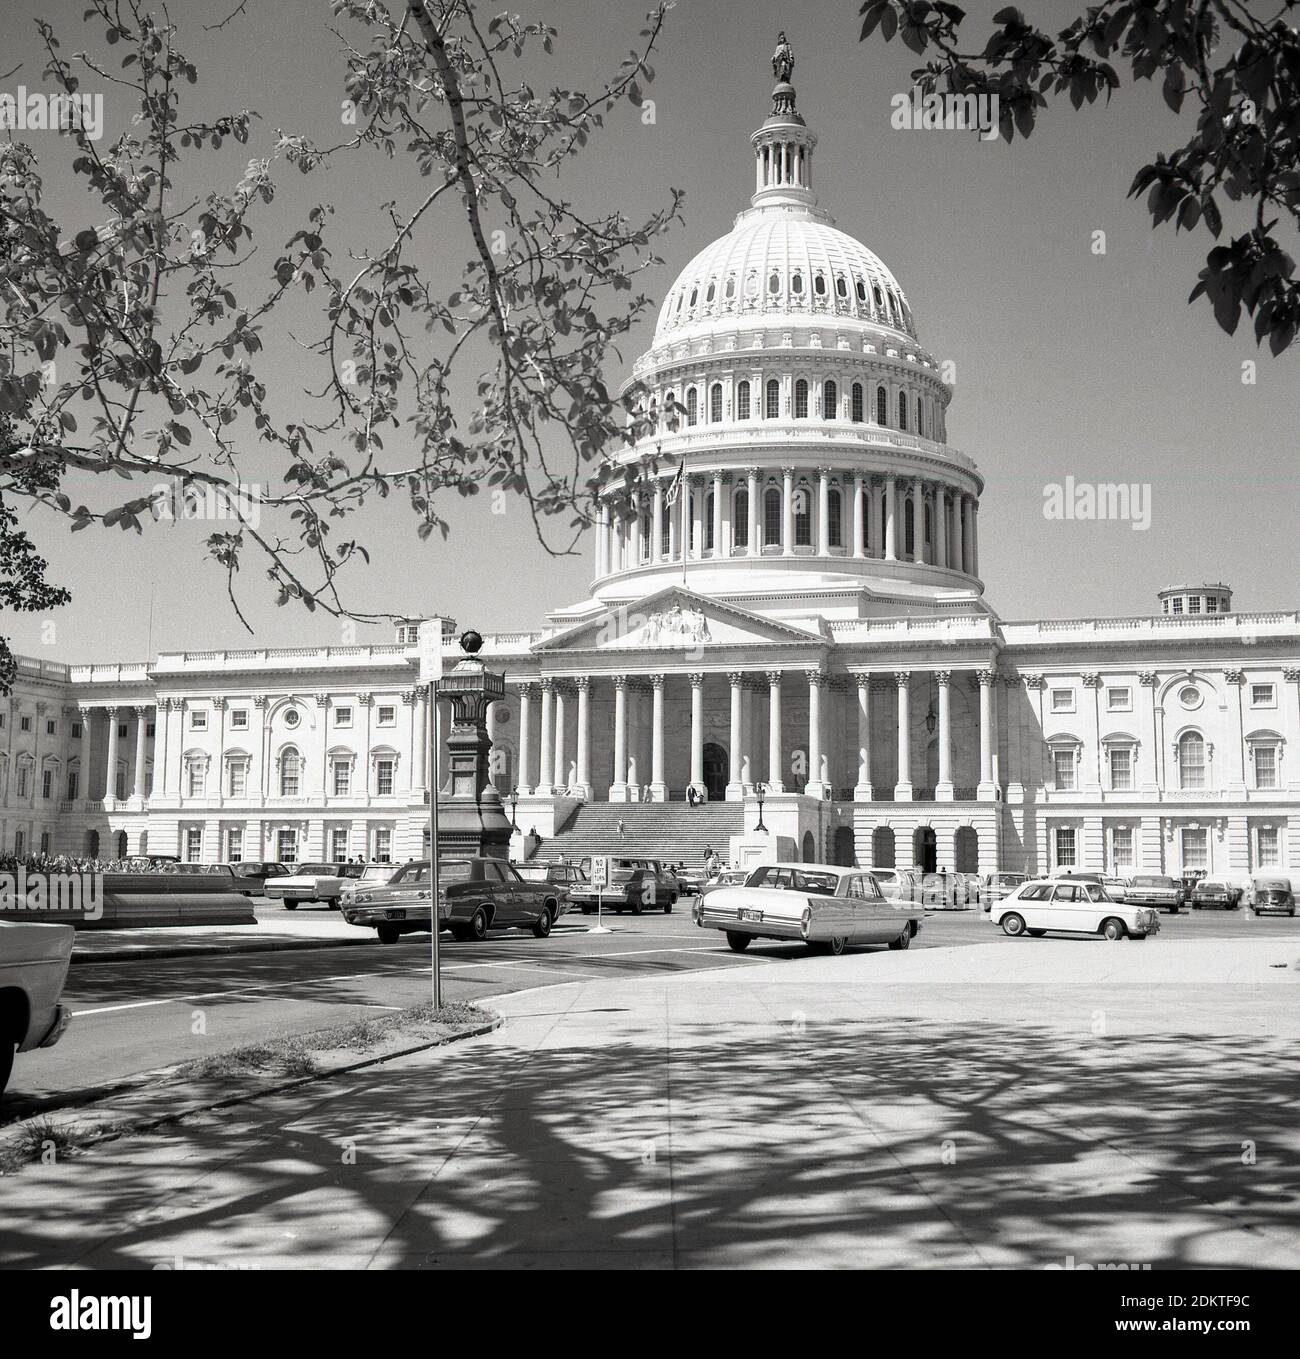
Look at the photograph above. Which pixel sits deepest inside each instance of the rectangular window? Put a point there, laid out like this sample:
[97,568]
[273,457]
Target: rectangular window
[121,729]
[20,842]
[772,519]
[387,715]
[1195,848]
[1178,606]
[1121,768]
[76,729]
[1265,766]
[338,842]
[1065,846]
[1121,849]
[72,785]
[1266,840]
[342,778]
[1062,700]
[119,785]
[22,781]
[47,784]
[1119,700]
[239,719]
[45,842]
[1212,604]
[24,724]
[238,778]
[198,720]
[1193,604]
[193,844]
[49,726]
[383,847]
[286,846]
[194,781]
[3,719]
[1261,696]
[383,776]
[235,845]
[1063,769]
[342,717]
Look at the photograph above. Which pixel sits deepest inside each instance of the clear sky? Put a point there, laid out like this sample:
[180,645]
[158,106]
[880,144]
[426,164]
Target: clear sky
[1068,363]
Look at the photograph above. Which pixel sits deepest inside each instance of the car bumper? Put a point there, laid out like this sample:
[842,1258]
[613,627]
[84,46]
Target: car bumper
[414,917]
[62,1018]
[769,927]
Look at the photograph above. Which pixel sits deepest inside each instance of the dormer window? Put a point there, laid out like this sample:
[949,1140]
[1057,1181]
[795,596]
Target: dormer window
[774,284]
[796,284]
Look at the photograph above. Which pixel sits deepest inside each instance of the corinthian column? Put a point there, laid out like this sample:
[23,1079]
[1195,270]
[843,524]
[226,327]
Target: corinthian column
[774,780]
[735,787]
[903,788]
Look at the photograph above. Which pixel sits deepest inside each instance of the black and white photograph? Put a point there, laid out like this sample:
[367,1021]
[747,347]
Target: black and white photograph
[649,637]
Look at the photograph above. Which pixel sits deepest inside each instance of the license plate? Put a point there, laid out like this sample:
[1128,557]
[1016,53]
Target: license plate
[744,913]
[394,915]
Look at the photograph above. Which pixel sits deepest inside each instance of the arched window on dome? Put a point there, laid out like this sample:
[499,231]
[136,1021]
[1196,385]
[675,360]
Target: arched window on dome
[861,289]
[928,529]
[774,283]
[740,518]
[801,400]
[920,417]
[1191,760]
[893,308]
[751,284]
[647,533]
[692,406]
[715,402]
[909,534]
[796,283]
[681,297]
[879,296]
[802,516]
[882,406]
[742,401]
[902,410]
[830,400]
[695,293]
[772,517]
[841,286]
[819,285]
[730,290]
[868,528]
[708,522]
[855,403]
[772,399]
[712,292]
[835,512]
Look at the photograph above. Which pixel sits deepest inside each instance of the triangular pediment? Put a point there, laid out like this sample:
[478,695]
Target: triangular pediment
[672,618]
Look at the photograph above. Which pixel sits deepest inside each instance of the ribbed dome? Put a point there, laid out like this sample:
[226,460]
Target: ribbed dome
[784,261]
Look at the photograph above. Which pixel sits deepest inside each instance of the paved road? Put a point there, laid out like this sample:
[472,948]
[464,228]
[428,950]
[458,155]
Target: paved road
[135,1016]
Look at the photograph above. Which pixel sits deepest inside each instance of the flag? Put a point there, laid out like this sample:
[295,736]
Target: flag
[675,485]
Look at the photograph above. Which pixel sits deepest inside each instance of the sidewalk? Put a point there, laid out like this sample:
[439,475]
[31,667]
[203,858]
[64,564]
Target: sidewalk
[275,929]
[872,1109]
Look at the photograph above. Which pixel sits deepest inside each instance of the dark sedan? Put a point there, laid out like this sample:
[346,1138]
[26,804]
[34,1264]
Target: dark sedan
[1216,894]
[1272,895]
[475,895]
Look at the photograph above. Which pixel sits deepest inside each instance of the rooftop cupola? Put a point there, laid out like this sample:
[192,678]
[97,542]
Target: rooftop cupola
[783,146]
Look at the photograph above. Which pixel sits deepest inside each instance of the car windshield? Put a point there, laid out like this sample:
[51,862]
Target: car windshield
[318,869]
[534,872]
[1153,882]
[1009,879]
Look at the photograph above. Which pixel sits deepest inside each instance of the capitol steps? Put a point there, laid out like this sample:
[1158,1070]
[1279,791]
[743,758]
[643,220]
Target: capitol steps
[660,830]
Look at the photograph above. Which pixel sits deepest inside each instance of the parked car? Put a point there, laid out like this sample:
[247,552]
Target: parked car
[1271,894]
[33,969]
[226,877]
[995,886]
[1116,887]
[475,895]
[1190,878]
[1071,907]
[372,875]
[825,906]
[563,877]
[898,884]
[312,882]
[634,885]
[258,871]
[1164,893]
[729,877]
[1216,892]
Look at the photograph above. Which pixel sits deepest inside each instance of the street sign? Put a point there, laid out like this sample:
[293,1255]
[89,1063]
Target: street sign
[430,641]
[600,871]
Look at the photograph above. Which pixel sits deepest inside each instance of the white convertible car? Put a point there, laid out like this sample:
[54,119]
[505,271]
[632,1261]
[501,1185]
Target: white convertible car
[824,906]
[33,967]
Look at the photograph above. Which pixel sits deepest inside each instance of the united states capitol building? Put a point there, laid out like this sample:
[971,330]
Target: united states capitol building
[790,605]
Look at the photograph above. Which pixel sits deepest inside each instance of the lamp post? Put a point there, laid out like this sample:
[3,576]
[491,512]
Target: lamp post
[759,790]
[514,802]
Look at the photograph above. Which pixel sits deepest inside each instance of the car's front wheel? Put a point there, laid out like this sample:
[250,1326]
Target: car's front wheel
[737,941]
[1113,929]
[1013,924]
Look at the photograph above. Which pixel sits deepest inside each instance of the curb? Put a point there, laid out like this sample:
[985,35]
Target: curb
[127,1126]
[145,951]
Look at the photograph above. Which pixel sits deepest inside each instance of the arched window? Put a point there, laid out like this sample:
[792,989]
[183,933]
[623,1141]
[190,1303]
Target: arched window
[920,418]
[882,847]
[772,399]
[647,534]
[740,518]
[695,292]
[290,773]
[708,522]
[880,301]
[1191,761]
[772,517]
[861,289]
[742,401]
[909,535]
[715,402]
[796,284]
[835,530]
[670,415]
[882,406]
[856,403]
[902,410]
[819,285]
[712,293]
[802,517]
[841,286]
[830,400]
[666,531]
[774,283]
[929,524]
[801,400]
[692,406]
[730,290]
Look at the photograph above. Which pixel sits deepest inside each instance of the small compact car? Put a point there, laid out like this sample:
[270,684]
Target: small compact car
[825,906]
[1068,906]
[33,969]
[1215,892]
[475,895]
[1272,895]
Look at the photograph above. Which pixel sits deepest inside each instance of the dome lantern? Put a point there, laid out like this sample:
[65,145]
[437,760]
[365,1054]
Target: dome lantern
[783,146]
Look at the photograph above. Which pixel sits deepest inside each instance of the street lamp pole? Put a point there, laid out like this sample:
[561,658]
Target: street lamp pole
[430,726]
[759,790]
